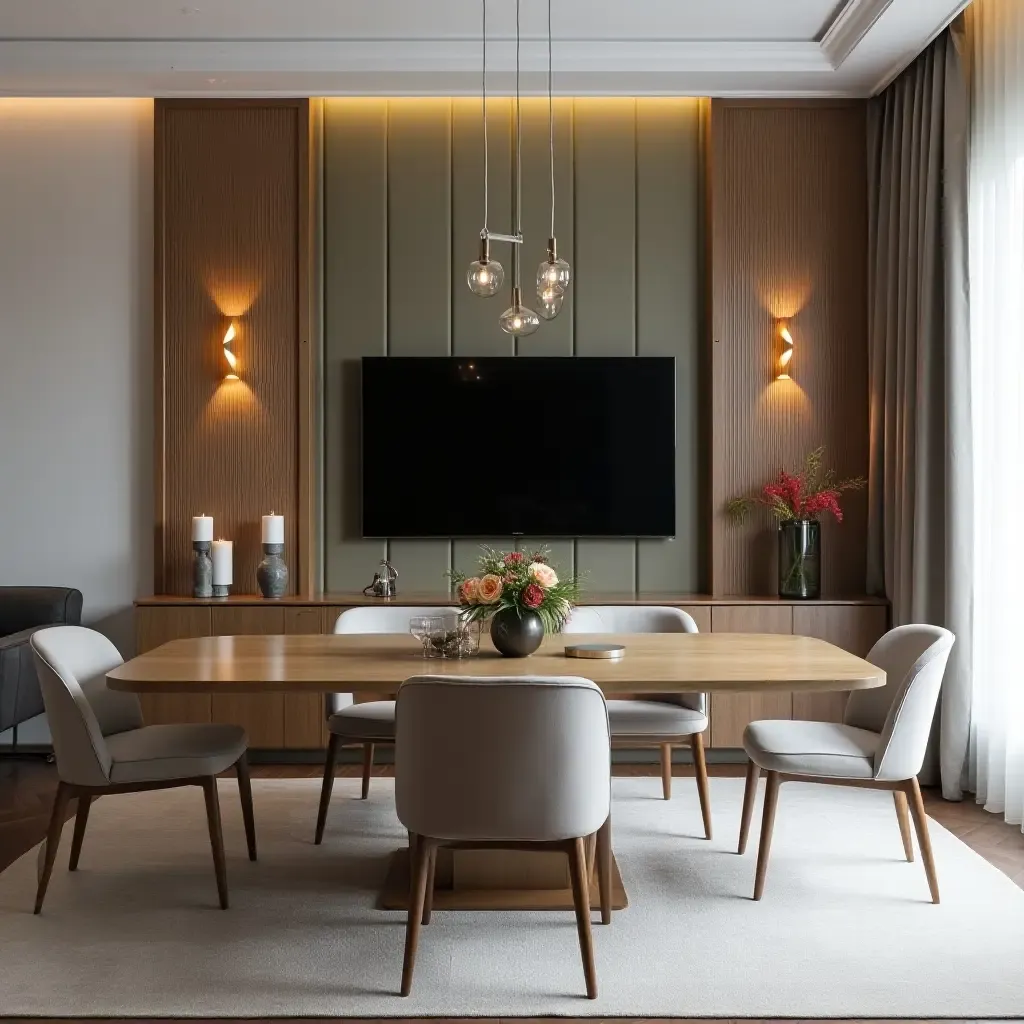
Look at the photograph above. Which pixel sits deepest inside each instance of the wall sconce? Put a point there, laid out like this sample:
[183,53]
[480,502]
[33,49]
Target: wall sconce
[786,355]
[229,354]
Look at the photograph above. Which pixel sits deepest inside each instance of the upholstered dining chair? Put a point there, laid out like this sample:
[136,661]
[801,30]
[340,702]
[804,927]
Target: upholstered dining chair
[102,746]
[372,722]
[540,780]
[879,745]
[660,720]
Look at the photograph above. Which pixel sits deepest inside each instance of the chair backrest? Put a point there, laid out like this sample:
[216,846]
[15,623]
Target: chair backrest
[614,618]
[492,758]
[72,663]
[914,659]
[391,618]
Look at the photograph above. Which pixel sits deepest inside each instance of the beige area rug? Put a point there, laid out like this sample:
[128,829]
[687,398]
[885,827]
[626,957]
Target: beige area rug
[845,928]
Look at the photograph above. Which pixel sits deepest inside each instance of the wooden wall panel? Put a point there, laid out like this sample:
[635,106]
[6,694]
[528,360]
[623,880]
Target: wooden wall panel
[232,229]
[789,237]
[855,629]
[156,626]
[731,713]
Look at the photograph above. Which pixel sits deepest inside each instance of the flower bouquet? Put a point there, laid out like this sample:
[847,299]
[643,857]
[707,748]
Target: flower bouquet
[797,501]
[521,594]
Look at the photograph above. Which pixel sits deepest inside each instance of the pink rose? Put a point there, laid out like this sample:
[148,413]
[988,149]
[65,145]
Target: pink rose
[533,596]
[469,590]
[543,574]
[489,589]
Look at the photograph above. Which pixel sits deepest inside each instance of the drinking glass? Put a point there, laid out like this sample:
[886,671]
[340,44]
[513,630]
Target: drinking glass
[423,627]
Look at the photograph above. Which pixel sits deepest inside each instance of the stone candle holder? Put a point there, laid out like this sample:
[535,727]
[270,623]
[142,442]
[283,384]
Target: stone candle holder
[202,568]
[272,573]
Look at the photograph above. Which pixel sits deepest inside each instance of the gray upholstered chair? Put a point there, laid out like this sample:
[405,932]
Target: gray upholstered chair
[659,720]
[880,744]
[102,746]
[521,763]
[371,722]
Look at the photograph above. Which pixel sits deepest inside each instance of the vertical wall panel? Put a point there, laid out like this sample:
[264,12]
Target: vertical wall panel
[419,273]
[355,319]
[789,237]
[668,291]
[229,210]
[605,312]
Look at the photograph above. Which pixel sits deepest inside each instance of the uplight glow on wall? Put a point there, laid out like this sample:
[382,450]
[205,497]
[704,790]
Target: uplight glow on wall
[229,354]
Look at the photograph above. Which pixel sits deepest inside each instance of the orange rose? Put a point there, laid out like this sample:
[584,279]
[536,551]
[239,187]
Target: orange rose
[543,574]
[489,589]
[469,590]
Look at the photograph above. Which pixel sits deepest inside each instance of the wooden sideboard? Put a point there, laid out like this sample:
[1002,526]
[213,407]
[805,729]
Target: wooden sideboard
[296,722]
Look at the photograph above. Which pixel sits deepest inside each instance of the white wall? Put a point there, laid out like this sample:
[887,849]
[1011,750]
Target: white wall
[76,377]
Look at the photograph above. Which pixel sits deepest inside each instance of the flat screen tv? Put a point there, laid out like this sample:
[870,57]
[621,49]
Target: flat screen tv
[506,446]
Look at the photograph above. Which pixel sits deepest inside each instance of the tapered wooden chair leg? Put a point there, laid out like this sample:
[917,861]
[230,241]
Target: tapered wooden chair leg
[245,795]
[700,768]
[428,898]
[771,800]
[328,785]
[903,816]
[415,916]
[216,838]
[57,815]
[666,771]
[81,820]
[581,900]
[590,845]
[367,768]
[749,796]
[604,870]
[913,791]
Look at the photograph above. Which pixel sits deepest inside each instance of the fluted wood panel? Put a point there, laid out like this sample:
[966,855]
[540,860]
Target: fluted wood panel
[789,236]
[408,175]
[230,208]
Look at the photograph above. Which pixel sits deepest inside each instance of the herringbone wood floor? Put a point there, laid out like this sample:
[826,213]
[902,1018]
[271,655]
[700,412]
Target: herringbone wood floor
[27,787]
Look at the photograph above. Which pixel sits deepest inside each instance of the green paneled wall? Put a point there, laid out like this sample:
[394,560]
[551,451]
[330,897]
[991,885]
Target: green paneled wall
[402,205]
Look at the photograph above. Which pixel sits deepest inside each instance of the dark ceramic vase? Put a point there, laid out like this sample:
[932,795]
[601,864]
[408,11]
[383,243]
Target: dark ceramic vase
[516,634]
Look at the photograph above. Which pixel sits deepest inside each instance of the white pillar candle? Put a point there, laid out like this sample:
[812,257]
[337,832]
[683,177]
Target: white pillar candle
[222,563]
[273,529]
[202,528]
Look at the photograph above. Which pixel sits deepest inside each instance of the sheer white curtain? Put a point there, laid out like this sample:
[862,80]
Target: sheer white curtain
[996,211]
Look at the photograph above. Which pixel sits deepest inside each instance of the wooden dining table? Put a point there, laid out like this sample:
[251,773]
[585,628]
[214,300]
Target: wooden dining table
[377,664]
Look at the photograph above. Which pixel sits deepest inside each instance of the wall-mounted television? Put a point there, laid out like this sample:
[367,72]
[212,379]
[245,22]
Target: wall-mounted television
[505,446]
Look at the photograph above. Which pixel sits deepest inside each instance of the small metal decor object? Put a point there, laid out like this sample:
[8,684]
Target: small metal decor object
[604,652]
[202,568]
[384,582]
[272,573]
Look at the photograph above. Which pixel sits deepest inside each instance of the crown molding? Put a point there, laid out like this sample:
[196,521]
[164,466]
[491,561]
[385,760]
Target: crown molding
[849,27]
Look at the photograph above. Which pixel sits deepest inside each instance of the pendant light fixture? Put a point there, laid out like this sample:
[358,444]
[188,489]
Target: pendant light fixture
[518,320]
[554,274]
[485,276]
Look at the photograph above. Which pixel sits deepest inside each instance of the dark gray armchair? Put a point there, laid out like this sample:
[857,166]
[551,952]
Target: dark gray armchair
[23,610]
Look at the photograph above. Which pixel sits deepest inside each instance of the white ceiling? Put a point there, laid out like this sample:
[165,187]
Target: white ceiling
[410,47]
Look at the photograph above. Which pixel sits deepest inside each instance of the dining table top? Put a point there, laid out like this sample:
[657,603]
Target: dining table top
[379,663]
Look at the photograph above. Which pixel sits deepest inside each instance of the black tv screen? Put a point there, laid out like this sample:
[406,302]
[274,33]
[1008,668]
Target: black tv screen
[503,446]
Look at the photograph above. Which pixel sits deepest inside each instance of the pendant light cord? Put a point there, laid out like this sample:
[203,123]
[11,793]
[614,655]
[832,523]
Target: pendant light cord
[519,163]
[483,94]
[551,127]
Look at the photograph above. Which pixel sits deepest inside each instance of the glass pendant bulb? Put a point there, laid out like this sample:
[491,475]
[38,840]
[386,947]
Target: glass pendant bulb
[549,302]
[517,320]
[485,276]
[553,274]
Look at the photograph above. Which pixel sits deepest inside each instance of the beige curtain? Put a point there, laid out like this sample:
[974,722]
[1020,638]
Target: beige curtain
[920,478]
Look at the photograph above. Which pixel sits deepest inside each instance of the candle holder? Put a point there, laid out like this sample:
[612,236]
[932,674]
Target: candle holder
[272,573]
[221,589]
[202,569]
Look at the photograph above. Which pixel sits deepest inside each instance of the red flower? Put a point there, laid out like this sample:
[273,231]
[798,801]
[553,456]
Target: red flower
[787,489]
[513,558]
[823,501]
[538,557]
[533,596]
